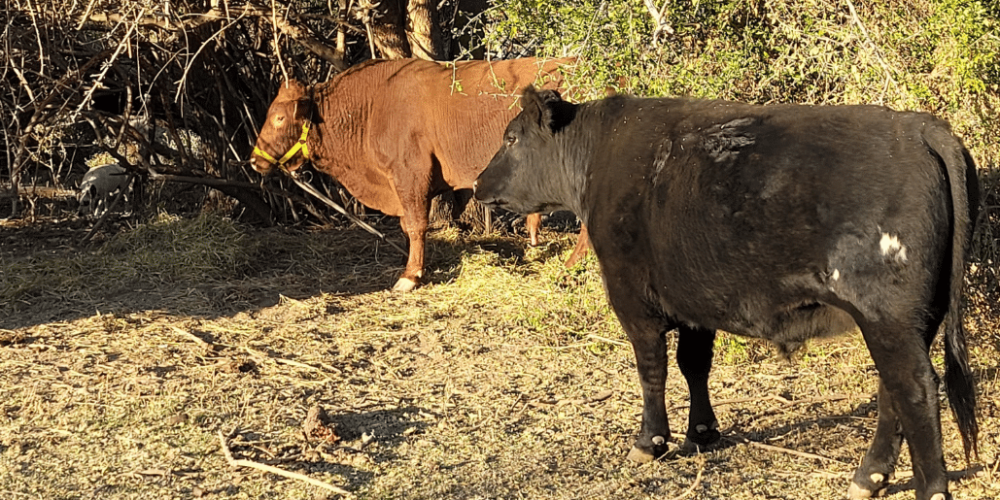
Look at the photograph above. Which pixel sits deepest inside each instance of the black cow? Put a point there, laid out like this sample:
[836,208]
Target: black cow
[780,222]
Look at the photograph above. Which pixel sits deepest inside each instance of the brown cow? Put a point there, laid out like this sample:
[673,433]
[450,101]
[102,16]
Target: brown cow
[397,133]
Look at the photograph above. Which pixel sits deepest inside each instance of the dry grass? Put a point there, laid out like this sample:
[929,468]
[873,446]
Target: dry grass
[506,377]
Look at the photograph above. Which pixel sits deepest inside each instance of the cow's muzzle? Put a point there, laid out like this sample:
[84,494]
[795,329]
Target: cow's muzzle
[300,145]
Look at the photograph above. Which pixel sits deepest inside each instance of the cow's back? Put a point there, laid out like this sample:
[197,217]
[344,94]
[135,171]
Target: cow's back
[454,112]
[471,132]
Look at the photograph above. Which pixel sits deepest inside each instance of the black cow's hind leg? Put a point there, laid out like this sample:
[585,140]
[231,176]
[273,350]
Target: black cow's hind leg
[876,469]
[694,357]
[909,399]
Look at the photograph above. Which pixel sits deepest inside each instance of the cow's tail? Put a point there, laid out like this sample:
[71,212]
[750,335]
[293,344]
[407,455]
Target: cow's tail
[964,185]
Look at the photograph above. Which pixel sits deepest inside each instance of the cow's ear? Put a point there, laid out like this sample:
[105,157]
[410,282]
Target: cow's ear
[537,106]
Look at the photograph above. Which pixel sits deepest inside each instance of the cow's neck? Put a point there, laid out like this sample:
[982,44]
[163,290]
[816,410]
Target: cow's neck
[342,112]
[575,147]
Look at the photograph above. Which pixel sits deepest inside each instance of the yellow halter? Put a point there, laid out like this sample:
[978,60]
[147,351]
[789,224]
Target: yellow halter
[299,146]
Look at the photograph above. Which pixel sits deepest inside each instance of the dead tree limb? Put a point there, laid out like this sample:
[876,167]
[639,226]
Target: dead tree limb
[274,470]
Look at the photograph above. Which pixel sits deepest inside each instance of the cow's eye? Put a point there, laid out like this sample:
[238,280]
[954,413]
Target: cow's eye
[510,139]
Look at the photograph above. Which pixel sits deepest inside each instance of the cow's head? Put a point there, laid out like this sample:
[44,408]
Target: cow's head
[282,139]
[87,199]
[521,175]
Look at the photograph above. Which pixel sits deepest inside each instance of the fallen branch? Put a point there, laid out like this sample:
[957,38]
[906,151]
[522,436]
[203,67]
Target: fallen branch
[740,439]
[953,475]
[783,401]
[274,470]
[607,340]
[200,341]
[360,223]
[283,361]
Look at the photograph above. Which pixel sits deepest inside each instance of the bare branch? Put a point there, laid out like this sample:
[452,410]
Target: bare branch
[660,19]
[274,470]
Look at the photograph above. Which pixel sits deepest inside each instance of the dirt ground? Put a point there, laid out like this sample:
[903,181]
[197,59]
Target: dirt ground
[506,377]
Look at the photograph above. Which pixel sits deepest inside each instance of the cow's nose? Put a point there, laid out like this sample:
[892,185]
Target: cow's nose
[475,185]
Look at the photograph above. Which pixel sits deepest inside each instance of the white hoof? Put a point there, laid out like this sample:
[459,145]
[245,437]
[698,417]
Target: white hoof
[856,492]
[404,285]
[639,456]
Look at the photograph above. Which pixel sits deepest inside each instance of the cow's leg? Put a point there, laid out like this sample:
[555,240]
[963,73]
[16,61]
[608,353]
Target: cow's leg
[876,469]
[582,244]
[908,396]
[414,224]
[879,464]
[647,335]
[646,329]
[694,356]
[533,223]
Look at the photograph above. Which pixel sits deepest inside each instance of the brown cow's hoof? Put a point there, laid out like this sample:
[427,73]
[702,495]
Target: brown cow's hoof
[405,285]
[641,456]
[877,484]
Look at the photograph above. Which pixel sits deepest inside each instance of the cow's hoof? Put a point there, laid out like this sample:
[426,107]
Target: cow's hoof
[405,285]
[704,438]
[661,448]
[872,486]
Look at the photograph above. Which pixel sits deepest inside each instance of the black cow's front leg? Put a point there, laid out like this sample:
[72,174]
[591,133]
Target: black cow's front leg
[694,356]
[648,340]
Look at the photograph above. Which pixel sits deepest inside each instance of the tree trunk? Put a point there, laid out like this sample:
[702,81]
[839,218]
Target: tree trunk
[408,28]
[388,30]
[423,30]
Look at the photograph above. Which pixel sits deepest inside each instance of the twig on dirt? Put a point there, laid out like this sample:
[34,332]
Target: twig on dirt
[740,439]
[12,492]
[784,401]
[206,344]
[283,361]
[274,470]
[607,340]
[697,479]
[516,418]
[151,472]
[953,475]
